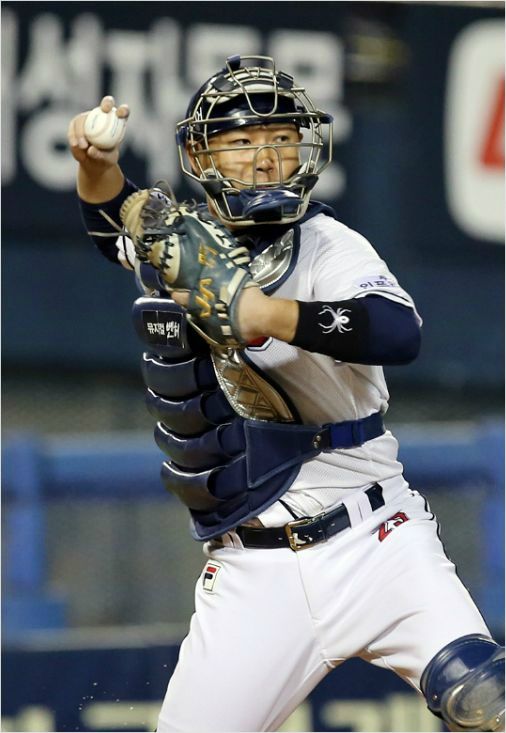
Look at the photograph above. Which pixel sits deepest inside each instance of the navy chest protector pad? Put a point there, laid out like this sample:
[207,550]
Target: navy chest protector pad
[224,468]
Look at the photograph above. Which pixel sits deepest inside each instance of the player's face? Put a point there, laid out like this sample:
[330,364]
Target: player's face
[257,154]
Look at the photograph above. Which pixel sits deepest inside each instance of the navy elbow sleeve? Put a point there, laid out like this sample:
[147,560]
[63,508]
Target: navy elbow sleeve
[370,330]
[394,332]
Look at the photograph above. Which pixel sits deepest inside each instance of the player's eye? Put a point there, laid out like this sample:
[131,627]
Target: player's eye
[238,141]
[282,139]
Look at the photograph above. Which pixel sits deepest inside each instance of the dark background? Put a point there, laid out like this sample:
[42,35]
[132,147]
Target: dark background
[98,567]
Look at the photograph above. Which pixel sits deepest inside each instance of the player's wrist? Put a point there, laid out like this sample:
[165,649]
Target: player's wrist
[250,314]
[262,316]
[97,183]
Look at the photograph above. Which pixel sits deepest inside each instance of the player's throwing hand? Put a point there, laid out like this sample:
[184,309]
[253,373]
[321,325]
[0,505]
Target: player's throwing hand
[98,142]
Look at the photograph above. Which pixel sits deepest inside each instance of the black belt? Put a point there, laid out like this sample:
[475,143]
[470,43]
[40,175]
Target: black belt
[306,532]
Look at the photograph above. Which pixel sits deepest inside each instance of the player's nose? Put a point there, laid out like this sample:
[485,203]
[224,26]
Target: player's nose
[266,159]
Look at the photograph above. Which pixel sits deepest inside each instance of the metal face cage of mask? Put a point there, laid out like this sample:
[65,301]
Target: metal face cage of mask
[243,95]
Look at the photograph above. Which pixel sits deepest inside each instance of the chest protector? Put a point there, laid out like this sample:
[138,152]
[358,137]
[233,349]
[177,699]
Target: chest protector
[233,442]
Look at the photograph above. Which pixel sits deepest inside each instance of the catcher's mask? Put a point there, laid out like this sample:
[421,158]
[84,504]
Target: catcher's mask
[245,94]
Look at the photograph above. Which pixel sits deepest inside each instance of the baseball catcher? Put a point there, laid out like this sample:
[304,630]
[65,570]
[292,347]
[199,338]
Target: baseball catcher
[266,324]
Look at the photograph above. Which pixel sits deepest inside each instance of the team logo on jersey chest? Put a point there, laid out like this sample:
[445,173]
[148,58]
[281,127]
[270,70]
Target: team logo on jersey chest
[390,525]
[210,574]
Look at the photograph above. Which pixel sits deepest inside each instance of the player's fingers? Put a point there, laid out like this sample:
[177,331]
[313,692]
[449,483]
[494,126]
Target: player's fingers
[181,297]
[95,153]
[123,111]
[105,156]
[107,103]
[78,128]
[72,134]
[77,152]
[75,132]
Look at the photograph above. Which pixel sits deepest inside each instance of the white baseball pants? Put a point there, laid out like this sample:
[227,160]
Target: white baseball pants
[270,624]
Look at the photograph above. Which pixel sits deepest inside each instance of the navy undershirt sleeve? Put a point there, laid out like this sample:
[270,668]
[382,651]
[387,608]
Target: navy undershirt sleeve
[368,330]
[96,224]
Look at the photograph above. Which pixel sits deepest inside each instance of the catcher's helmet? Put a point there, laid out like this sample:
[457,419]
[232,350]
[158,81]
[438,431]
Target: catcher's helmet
[245,94]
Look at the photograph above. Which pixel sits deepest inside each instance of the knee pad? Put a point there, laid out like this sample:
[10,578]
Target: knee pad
[464,684]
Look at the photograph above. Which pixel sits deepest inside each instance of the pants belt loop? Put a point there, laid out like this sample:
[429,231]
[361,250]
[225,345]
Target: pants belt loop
[352,505]
[362,505]
[375,495]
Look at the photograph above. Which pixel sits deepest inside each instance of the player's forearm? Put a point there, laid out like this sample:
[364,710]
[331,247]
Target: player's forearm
[97,184]
[370,330]
[103,222]
[261,315]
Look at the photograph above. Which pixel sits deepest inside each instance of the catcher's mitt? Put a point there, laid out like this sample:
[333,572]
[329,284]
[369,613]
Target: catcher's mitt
[193,252]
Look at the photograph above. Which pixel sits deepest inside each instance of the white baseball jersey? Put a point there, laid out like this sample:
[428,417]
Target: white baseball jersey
[334,263]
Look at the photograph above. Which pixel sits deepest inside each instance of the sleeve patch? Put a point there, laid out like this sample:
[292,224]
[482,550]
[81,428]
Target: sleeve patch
[372,282]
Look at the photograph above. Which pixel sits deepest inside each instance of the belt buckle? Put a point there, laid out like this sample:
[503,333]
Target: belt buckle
[297,544]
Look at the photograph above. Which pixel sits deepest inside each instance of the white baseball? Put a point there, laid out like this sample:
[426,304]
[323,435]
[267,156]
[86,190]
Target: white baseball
[104,130]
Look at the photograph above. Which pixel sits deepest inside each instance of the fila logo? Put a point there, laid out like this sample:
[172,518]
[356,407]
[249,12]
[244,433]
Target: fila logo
[210,574]
[390,524]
